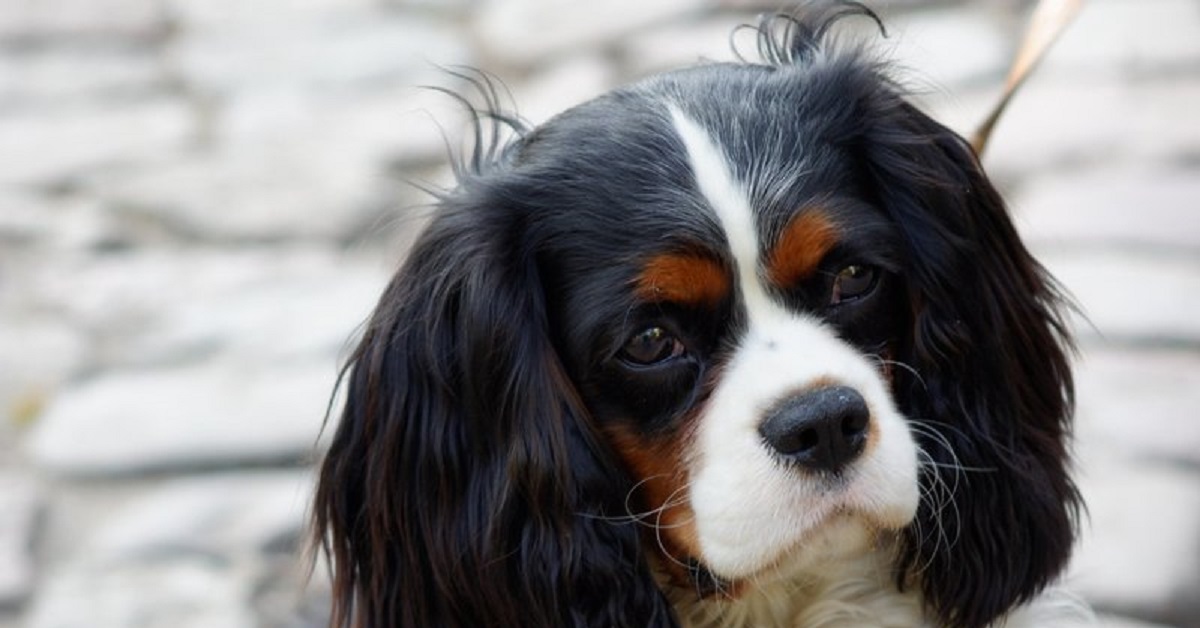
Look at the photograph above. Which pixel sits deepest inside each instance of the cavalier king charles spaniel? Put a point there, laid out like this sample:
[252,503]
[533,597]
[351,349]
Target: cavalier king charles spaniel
[743,344]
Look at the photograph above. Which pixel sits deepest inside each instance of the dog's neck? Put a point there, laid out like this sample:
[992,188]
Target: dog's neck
[854,588]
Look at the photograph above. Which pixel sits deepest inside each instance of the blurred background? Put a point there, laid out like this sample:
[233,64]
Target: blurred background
[200,201]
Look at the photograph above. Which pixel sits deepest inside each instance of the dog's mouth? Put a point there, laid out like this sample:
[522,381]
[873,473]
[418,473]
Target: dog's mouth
[841,534]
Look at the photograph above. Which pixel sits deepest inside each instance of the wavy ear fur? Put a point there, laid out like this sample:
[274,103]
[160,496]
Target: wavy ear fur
[464,485]
[991,392]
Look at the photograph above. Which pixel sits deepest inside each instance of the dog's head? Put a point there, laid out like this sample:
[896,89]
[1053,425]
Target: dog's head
[725,326]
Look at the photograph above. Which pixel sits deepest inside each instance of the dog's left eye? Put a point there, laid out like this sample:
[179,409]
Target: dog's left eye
[650,346]
[853,282]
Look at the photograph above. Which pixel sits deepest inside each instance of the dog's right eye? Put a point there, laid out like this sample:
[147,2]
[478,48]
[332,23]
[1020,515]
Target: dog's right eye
[853,282]
[651,346]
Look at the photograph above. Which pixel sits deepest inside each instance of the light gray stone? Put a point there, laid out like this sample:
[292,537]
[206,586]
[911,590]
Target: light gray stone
[1114,621]
[183,592]
[40,224]
[1140,551]
[57,76]
[960,45]
[55,145]
[1128,297]
[563,86]
[224,514]
[1109,207]
[1091,99]
[214,414]
[1128,38]
[286,317]
[38,356]
[292,596]
[317,53]
[290,164]
[403,124]
[170,540]
[204,14]
[249,192]
[72,20]
[1056,124]
[1142,402]
[526,32]
[674,46]
[286,166]
[166,306]
[115,297]
[19,506]
[448,7]
[22,218]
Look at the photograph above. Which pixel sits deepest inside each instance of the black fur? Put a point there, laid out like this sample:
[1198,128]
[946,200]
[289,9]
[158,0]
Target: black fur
[469,482]
[992,392]
[464,486]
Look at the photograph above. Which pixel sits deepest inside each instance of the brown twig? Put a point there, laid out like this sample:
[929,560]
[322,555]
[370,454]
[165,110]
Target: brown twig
[1048,21]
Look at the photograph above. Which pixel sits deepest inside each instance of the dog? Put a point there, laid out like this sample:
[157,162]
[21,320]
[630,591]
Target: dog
[742,344]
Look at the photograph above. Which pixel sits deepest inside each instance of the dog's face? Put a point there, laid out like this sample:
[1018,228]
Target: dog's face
[728,326]
[729,335]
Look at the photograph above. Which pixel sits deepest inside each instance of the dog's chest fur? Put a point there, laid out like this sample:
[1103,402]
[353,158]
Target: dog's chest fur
[854,593]
[849,594]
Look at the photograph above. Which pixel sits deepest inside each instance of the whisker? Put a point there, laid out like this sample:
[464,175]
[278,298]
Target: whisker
[939,492]
[885,362]
[658,529]
[630,515]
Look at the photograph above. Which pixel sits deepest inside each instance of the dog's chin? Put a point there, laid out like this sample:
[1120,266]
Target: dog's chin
[839,538]
[833,520]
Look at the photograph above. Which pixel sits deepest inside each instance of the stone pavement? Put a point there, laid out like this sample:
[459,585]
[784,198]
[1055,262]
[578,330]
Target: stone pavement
[199,202]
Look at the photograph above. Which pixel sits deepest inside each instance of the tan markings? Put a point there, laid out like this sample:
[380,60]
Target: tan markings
[886,363]
[660,500]
[800,248]
[682,278]
[873,433]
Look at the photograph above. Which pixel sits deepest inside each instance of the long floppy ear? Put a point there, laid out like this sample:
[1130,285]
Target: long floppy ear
[990,393]
[464,485]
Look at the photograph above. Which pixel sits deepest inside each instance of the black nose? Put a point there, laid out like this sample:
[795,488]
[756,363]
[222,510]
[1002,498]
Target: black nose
[821,430]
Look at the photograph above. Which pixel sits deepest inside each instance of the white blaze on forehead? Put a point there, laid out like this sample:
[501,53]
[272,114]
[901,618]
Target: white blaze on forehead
[728,199]
[750,509]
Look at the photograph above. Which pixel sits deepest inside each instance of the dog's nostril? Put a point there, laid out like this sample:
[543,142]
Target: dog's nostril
[823,429]
[855,424]
[808,439]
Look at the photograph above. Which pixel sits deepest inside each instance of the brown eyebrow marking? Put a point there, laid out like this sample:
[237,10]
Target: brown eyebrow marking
[801,247]
[683,278]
